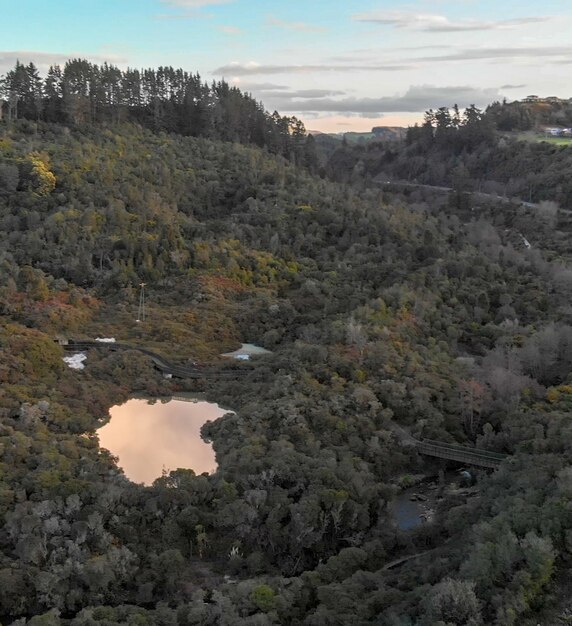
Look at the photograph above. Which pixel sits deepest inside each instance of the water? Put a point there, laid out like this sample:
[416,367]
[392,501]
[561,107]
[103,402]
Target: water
[417,505]
[406,513]
[246,351]
[149,437]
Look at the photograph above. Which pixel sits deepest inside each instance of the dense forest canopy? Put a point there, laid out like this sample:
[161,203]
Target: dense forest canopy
[165,99]
[466,151]
[384,313]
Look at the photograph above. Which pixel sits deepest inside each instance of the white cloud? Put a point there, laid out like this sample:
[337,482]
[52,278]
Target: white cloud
[511,53]
[417,98]
[528,54]
[292,95]
[253,69]
[258,86]
[308,93]
[430,22]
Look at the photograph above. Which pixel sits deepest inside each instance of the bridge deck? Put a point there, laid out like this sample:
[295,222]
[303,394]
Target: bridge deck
[470,456]
[451,451]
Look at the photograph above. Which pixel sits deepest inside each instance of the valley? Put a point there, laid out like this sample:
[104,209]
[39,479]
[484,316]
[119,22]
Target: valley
[392,332]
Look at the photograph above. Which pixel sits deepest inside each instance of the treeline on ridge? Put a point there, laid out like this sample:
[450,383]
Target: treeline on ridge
[468,152]
[164,99]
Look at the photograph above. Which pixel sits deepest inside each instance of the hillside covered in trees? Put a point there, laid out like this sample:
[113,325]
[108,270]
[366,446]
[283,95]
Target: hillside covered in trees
[164,99]
[381,314]
[531,113]
[468,151]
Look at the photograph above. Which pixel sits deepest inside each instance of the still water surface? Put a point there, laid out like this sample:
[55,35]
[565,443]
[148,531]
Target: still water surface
[151,436]
[406,513]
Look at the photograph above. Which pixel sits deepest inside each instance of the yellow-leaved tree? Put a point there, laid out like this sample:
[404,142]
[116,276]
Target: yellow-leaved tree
[40,179]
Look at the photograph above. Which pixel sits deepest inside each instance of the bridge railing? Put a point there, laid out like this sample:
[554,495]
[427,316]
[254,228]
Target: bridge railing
[455,446]
[452,452]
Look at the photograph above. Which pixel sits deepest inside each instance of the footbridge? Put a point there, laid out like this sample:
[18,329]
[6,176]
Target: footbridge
[462,454]
[451,451]
[167,367]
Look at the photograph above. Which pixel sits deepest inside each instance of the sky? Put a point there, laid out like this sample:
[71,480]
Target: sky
[339,65]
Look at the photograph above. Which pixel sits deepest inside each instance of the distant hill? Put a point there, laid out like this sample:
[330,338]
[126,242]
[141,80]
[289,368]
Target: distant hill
[378,133]
[394,133]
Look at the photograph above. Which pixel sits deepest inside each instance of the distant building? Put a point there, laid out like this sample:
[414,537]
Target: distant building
[547,100]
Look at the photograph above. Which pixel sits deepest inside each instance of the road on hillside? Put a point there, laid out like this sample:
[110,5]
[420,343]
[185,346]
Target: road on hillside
[490,196]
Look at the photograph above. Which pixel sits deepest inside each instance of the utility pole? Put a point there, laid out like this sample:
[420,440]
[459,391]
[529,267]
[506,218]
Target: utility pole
[141,313]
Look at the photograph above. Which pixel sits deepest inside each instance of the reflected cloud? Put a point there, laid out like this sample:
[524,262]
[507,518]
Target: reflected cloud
[149,438]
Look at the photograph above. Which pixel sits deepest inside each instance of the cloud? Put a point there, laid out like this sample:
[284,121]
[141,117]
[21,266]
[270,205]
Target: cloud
[254,69]
[432,47]
[513,86]
[373,55]
[480,54]
[306,93]
[258,86]
[524,53]
[439,23]
[43,60]
[301,26]
[274,91]
[416,99]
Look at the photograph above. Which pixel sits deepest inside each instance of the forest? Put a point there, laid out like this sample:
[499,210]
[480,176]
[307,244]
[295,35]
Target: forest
[166,99]
[468,151]
[382,311]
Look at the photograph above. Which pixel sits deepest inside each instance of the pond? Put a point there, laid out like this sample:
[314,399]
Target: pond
[152,436]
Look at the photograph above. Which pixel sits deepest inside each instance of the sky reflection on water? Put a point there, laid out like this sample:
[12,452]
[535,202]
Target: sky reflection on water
[148,438]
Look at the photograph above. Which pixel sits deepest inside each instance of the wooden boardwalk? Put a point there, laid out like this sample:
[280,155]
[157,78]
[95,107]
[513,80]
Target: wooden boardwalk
[169,368]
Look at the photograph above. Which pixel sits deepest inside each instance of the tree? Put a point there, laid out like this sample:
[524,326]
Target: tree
[356,336]
[22,87]
[473,394]
[453,602]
